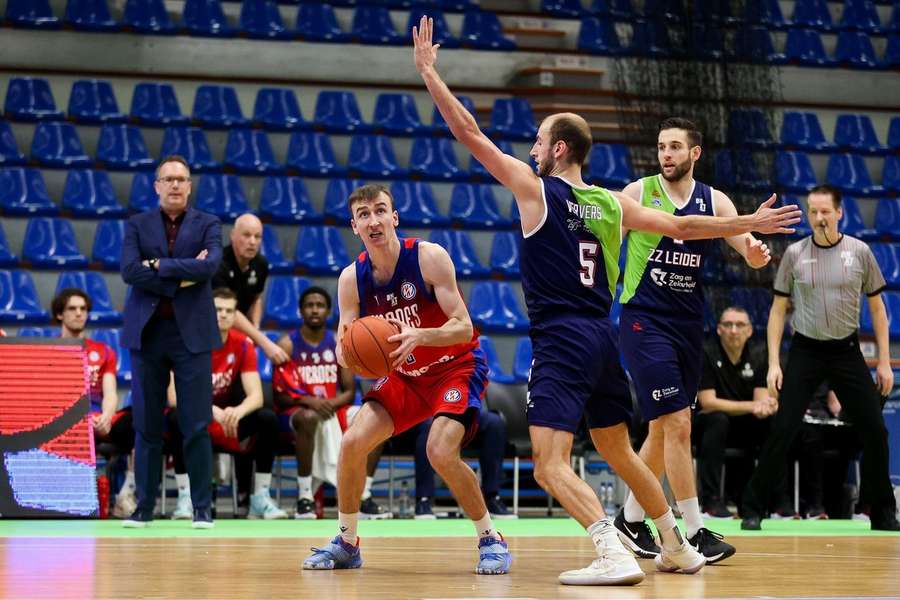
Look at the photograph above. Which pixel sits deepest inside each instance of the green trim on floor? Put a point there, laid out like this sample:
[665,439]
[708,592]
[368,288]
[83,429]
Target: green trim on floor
[228,528]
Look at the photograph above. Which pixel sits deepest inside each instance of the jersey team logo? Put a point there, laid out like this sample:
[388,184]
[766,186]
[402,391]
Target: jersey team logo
[94,356]
[230,358]
[452,396]
[659,277]
[328,356]
[408,290]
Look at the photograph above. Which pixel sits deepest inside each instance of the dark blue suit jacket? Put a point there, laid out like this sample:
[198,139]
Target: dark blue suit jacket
[195,312]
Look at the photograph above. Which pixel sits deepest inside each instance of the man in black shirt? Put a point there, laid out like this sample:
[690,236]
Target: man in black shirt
[244,271]
[733,403]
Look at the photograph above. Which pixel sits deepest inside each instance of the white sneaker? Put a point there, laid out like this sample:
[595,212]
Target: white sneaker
[615,567]
[184,509]
[684,560]
[263,507]
[126,503]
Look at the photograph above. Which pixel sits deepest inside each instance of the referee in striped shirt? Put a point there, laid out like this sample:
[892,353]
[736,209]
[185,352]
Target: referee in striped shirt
[823,276]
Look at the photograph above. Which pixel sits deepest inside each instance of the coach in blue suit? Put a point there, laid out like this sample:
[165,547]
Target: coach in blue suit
[169,256]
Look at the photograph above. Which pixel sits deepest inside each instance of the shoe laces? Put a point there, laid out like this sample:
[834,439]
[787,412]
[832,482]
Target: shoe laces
[704,532]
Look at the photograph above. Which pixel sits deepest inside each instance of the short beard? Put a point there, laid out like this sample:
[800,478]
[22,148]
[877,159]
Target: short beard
[680,171]
[546,167]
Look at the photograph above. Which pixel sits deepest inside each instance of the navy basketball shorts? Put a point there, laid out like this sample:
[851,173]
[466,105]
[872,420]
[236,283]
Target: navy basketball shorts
[576,374]
[664,356]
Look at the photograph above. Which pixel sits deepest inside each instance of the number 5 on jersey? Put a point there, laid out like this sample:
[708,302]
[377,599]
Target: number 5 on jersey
[587,256]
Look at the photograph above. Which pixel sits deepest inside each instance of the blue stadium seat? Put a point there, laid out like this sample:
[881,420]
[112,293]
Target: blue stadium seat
[650,38]
[893,23]
[265,365]
[802,131]
[812,14]
[338,112]
[802,228]
[248,151]
[9,151]
[23,192]
[112,338]
[434,158]
[155,104]
[522,359]
[854,49]
[373,156]
[57,145]
[439,125]
[621,9]
[107,250]
[725,176]
[892,52]
[396,114]
[747,174]
[571,9]
[285,200]
[610,166]
[890,174]
[495,308]
[754,45]
[757,301]
[261,19]
[7,257]
[282,296]
[804,47]
[271,249]
[860,15]
[216,106]
[598,36]
[848,173]
[852,221]
[278,109]
[30,99]
[482,30]
[415,203]
[142,195]
[221,195]
[373,25]
[705,41]
[50,244]
[715,12]
[93,101]
[318,23]
[34,14]
[474,206]
[748,127]
[102,310]
[477,170]
[206,18]
[670,10]
[440,33]
[310,153]
[855,133]
[512,118]
[189,143]
[148,16]
[505,254]
[496,372]
[893,140]
[336,194]
[888,258]
[90,193]
[48,332]
[764,12]
[887,218]
[90,15]
[19,301]
[892,307]
[461,249]
[794,172]
[320,250]
[122,147]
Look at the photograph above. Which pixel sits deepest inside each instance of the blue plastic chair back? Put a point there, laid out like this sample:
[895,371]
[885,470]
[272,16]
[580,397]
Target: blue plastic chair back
[90,193]
[496,372]
[310,153]
[474,205]
[102,310]
[271,249]
[57,145]
[282,297]
[90,15]
[93,101]
[598,36]
[142,196]
[206,18]
[30,99]
[122,147]
[459,246]
[317,22]
[107,248]
[148,16]
[277,109]
[222,196]
[19,301]
[337,192]
[522,360]
[218,106]
[248,151]
[190,143]
[505,254]
[35,14]
[414,201]
[9,150]
[23,192]
[337,111]
[397,114]
[286,200]
[156,104]
[434,158]
[373,156]
[373,25]
[50,244]
[512,117]
[320,250]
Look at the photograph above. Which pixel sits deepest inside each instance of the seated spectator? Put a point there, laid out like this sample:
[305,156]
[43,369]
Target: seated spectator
[240,422]
[491,443]
[312,395]
[733,405]
[71,309]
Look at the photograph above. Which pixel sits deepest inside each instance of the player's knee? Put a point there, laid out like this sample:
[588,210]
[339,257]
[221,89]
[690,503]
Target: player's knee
[441,456]
[354,446]
[546,472]
[678,430]
[304,421]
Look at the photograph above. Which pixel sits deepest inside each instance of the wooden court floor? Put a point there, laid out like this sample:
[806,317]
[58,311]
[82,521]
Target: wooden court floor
[397,568]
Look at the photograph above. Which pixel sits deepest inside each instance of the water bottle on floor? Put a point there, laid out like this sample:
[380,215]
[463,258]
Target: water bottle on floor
[405,511]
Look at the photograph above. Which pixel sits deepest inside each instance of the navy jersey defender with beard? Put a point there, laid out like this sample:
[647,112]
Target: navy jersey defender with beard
[569,271]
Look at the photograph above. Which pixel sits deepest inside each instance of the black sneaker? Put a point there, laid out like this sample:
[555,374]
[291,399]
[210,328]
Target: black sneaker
[370,510]
[203,519]
[711,545]
[751,523]
[716,509]
[138,520]
[886,525]
[498,509]
[306,509]
[637,537]
[423,509]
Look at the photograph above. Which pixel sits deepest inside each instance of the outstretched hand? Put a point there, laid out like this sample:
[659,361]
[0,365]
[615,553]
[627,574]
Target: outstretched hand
[756,253]
[776,220]
[425,52]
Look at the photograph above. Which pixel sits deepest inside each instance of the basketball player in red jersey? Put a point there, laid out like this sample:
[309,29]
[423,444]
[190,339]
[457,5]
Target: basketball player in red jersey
[439,371]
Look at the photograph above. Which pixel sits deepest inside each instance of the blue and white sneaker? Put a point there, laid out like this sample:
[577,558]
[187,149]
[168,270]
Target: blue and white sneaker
[338,554]
[493,557]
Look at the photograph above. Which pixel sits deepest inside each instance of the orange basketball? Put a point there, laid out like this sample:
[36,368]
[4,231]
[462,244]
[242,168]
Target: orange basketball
[366,348]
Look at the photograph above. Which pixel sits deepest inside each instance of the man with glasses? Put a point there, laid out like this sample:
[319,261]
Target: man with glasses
[169,256]
[734,405]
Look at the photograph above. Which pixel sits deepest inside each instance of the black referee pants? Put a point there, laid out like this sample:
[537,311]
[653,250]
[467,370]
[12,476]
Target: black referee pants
[841,364]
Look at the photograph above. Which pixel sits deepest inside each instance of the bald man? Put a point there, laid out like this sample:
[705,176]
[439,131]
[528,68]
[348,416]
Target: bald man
[244,271]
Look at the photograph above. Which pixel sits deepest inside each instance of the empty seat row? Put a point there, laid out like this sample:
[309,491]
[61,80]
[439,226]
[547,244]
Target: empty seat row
[217,106]
[19,301]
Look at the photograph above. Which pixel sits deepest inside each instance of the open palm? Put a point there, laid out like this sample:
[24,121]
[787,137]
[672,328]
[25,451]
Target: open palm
[425,52]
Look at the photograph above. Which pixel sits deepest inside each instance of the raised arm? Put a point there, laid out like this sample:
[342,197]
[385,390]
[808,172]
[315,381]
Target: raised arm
[348,301]
[755,253]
